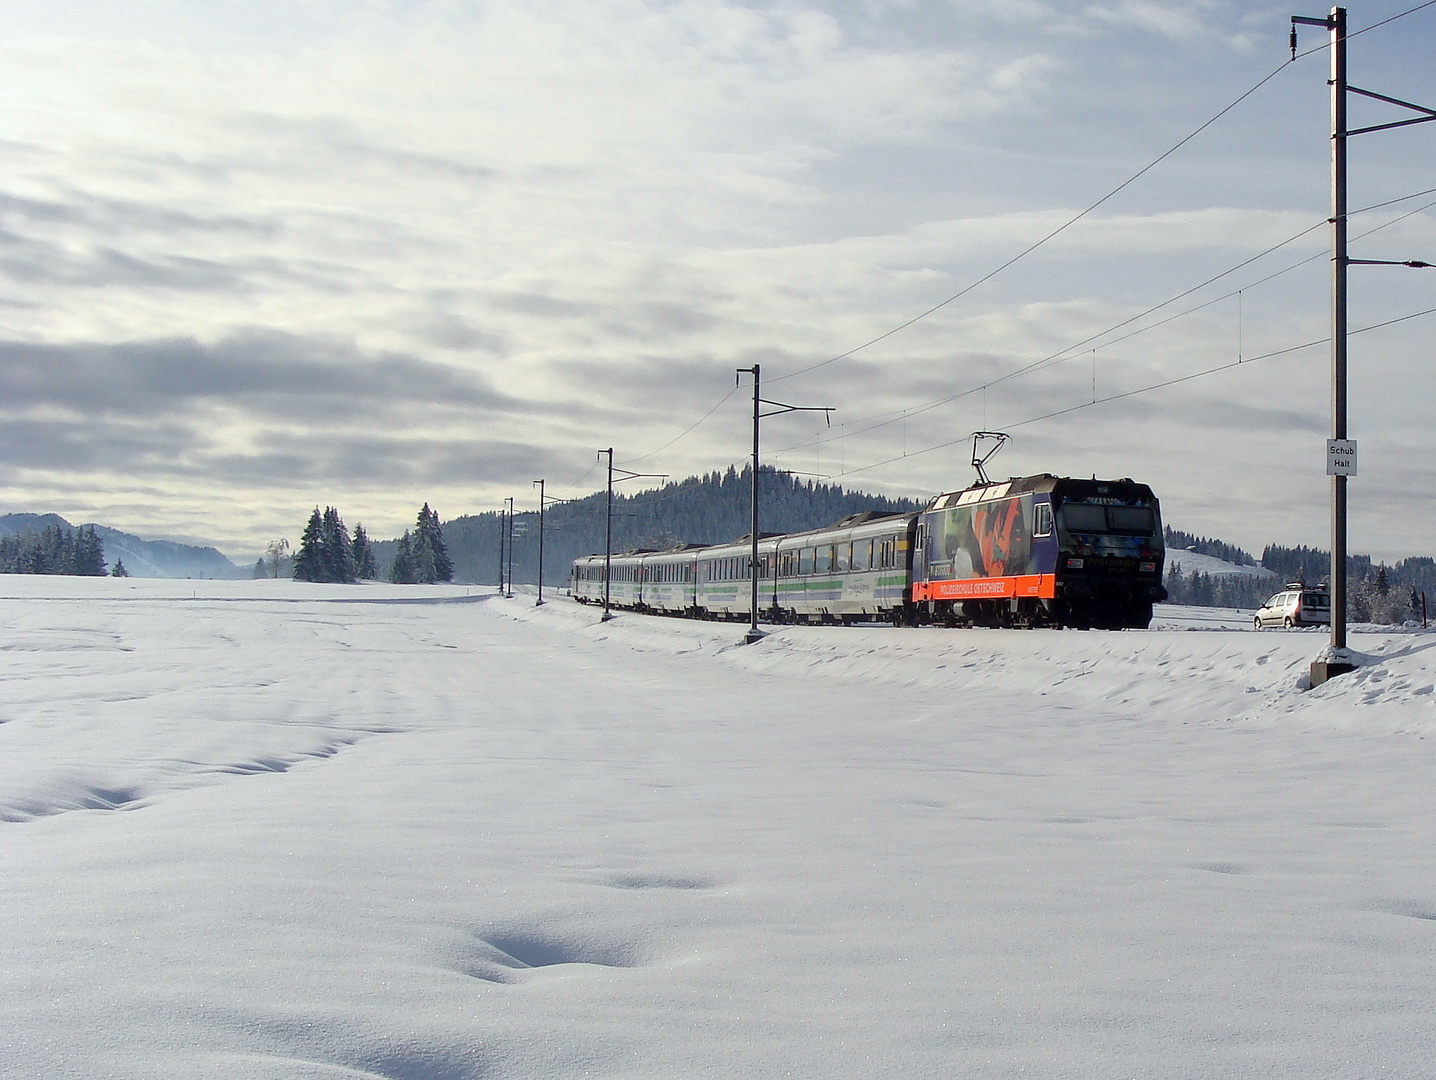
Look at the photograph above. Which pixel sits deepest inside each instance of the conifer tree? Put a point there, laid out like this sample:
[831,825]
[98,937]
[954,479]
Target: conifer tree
[89,554]
[336,556]
[431,556]
[53,550]
[402,572]
[364,568]
[308,561]
[118,570]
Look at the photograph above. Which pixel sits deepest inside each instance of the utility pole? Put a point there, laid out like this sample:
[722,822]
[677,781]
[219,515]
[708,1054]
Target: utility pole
[502,519]
[539,601]
[754,634]
[510,593]
[607,533]
[608,521]
[1341,452]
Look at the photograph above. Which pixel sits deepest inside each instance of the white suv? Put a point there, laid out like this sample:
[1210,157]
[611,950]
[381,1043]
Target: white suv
[1297,606]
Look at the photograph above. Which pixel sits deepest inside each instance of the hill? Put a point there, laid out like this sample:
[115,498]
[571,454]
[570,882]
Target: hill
[142,558]
[709,509]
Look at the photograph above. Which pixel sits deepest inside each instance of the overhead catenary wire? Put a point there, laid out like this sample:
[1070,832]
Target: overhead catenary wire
[1140,390]
[1383,22]
[1050,236]
[685,432]
[1057,231]
[896,415]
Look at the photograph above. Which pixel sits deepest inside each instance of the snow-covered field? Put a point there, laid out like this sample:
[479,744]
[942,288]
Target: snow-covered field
[1189,561]
[265,829]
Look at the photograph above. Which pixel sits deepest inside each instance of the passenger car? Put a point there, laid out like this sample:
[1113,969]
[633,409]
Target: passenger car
[1297,605]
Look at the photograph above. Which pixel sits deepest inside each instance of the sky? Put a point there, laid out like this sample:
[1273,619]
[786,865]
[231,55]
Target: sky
[264,256]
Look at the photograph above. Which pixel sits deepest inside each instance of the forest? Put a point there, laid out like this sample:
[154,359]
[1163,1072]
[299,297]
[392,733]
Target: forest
[55,550]
[706,509]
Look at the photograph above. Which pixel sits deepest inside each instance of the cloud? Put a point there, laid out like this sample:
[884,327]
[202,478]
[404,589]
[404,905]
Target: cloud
[255,255]
[264,373]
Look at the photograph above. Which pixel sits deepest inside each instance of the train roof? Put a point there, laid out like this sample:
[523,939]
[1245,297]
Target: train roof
[1042,483]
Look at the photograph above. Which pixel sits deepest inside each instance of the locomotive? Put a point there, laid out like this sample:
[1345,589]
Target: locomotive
[1031,551]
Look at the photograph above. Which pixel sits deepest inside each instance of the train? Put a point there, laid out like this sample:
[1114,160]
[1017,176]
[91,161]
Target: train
[1028,551]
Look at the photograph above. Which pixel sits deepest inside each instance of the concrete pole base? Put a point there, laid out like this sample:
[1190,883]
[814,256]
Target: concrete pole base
[1322,670]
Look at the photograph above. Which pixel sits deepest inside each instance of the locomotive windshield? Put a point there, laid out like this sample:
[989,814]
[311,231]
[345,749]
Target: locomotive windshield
[1099,518]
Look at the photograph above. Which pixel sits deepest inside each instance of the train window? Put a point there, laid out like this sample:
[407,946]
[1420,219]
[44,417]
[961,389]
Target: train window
[1084,517]
[842,557]
[823,559]
[862,555]
[805,561]
[1137,520]
[1042,519]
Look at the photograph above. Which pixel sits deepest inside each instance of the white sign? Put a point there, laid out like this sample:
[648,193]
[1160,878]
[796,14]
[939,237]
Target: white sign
[1340,457]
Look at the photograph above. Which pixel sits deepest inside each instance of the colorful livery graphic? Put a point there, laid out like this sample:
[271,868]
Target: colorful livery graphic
[1037,551]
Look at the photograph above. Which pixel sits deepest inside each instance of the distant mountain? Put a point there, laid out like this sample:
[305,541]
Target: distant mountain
[142,558]
[15,524]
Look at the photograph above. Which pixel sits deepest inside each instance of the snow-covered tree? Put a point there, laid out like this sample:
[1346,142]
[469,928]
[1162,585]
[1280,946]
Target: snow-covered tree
[364,567]
[402,572]
[336,554]
[430,555]
[309,559]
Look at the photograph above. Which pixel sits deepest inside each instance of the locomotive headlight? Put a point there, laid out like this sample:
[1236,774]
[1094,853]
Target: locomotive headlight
[1075,564]
[1147,568]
